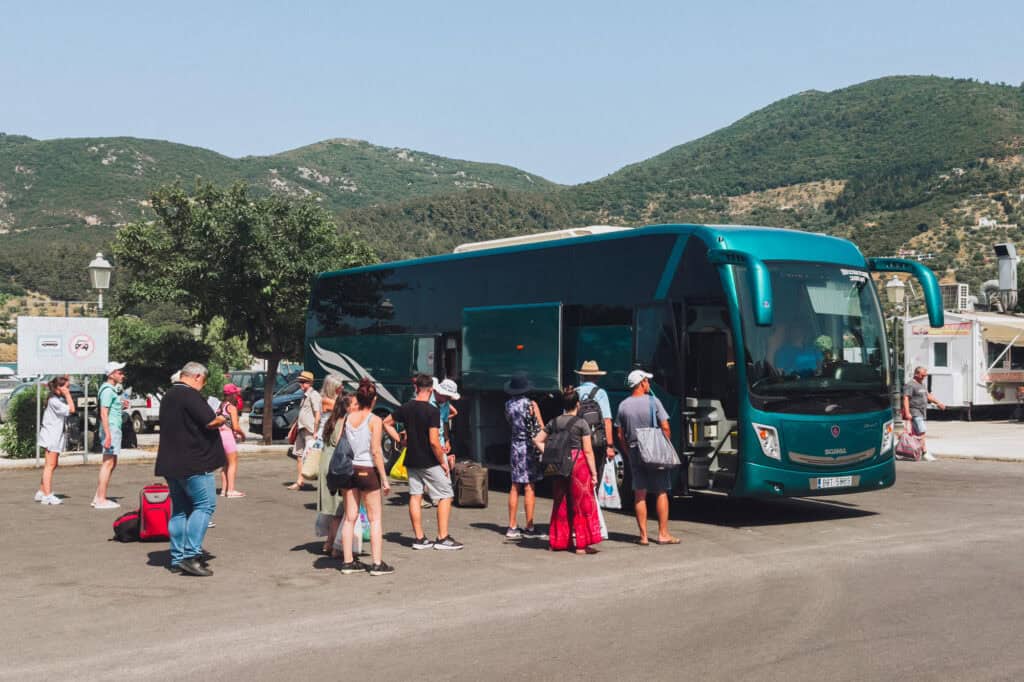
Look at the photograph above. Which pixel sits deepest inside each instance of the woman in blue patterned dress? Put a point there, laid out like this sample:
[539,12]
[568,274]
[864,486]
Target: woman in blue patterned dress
[524,419]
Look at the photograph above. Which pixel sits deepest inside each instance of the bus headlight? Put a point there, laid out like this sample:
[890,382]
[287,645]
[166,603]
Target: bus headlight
[768,438]
[887,437]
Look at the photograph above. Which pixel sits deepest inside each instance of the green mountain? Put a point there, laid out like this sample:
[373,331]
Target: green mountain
[105,181]
[924,165]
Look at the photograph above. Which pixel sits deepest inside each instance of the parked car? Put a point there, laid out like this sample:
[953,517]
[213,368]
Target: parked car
[77,394]
[144,411]
[251,383]
[286,410]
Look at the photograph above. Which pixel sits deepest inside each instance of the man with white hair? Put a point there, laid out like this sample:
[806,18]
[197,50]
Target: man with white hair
[190,451]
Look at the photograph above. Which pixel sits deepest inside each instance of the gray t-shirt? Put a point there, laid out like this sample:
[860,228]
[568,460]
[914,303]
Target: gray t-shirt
[311,404]
[635,413]
[918,398]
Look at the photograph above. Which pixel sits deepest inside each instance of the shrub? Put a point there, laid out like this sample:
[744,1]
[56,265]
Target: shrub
[18,433]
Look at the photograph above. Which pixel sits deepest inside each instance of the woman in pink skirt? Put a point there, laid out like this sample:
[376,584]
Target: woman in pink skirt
[574,508]
[231,430]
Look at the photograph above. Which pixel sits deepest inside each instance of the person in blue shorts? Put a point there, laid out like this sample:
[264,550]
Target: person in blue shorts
[111,406]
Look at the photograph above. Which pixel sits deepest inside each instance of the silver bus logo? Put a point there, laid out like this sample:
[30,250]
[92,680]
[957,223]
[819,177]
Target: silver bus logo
[835,431]
[351,371]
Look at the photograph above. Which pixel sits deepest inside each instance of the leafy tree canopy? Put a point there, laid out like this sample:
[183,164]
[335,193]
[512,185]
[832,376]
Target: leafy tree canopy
[250,260]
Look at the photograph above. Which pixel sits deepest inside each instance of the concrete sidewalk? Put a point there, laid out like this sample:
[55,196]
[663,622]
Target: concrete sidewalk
[986,440]
[146,454]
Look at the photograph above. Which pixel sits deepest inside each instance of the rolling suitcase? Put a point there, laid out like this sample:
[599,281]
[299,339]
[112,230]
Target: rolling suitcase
[470,484]
[154,512]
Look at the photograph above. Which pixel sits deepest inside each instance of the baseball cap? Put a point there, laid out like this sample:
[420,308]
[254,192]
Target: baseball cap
[112,367]
[636,376]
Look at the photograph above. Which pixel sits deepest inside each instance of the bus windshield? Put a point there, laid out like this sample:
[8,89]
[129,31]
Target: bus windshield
[825,352]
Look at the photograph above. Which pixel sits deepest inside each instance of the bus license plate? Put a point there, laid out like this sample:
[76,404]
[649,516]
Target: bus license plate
[834,482]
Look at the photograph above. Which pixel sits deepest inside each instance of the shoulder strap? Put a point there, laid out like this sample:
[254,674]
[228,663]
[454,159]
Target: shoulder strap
[593,392]
[654,419]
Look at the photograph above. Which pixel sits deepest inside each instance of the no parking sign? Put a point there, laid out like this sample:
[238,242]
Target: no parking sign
[62,345]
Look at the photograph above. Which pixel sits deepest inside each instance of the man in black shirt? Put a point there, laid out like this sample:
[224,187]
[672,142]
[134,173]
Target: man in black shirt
[429,468]
[190,451]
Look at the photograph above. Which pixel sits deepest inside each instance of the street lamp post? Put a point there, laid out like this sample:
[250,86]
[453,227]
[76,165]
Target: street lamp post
[99,277]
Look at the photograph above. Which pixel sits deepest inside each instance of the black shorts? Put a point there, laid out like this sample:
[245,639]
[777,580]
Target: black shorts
[362,478]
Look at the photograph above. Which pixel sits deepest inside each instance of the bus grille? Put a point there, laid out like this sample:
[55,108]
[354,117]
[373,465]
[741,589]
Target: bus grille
[827,460]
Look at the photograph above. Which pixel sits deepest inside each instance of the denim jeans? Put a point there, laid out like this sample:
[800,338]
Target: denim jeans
[193,501]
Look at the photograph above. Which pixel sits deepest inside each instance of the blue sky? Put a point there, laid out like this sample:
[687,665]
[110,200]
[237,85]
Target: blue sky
[570,90]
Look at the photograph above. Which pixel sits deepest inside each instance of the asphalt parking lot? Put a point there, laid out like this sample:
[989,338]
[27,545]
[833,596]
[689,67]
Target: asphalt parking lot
[920,582]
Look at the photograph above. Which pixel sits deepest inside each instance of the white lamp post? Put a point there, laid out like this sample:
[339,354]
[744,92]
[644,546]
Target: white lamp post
[895,291]
[99,276]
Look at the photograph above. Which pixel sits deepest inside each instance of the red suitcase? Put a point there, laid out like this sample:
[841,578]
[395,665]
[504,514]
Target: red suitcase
[154,512]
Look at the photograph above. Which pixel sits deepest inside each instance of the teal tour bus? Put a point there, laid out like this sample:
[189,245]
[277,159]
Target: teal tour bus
[767,345]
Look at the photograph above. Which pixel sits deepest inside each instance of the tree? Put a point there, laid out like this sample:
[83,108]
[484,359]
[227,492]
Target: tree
[249,260]
[152,350]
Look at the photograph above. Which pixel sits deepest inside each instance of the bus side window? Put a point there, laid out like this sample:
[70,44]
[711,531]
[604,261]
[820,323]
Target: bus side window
[452,366]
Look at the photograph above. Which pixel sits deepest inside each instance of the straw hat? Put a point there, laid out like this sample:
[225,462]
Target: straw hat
[590,369]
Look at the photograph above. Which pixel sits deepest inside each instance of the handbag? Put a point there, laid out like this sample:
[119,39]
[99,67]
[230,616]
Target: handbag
[293,433]
[909,447]
[655,449]
[311,463]
[398,471]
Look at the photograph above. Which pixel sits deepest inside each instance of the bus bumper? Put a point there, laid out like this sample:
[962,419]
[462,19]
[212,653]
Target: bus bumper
[764,481]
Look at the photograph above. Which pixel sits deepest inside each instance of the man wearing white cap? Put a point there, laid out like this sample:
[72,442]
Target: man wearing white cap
[109,431]
[635,413]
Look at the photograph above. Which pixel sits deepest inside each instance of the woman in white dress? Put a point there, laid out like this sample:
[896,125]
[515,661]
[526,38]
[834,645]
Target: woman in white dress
[52,436]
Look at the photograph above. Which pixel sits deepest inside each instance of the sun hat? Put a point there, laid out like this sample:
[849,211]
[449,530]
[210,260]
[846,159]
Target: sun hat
[305,375]
[447,388]
[636,376]
[590,368]
[113,367]
[518,385]
[231,388]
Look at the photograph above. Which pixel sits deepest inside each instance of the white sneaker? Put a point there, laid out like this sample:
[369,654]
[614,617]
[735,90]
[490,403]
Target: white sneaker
[51,499]
[928,457]
[105,504]
[39,496]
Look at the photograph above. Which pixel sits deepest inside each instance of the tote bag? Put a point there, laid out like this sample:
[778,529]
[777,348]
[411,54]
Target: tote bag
[655,449]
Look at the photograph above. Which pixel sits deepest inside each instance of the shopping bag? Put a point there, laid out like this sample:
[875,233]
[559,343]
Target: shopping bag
[364,521]
[600,517]
[357,538]
[398,471]
[311,462]
[322,525]
[608,489]
[909,447]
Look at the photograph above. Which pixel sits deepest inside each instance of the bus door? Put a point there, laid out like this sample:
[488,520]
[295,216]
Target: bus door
[712,396]
[499,342]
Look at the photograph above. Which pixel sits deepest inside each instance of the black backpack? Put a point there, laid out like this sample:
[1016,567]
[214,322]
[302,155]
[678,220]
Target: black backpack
[341,461]
[126,527]
[558,451]
[590,410]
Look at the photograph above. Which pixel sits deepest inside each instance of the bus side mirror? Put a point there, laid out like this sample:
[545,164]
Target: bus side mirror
[757,279]
[926,278]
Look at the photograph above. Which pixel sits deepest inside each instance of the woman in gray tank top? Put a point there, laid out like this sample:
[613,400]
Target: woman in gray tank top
[363,430]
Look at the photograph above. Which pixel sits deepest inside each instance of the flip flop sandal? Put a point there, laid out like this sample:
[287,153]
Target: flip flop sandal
[670,541]
[235,493]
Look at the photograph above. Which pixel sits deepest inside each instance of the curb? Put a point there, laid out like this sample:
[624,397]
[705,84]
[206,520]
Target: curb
[132,456]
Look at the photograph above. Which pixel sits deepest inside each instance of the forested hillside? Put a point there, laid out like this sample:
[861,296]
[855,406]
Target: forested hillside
[923,165]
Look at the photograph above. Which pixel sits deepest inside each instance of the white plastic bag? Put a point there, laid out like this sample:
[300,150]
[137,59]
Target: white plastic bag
[600,517]
[357,538]
[608,489]
[322,526]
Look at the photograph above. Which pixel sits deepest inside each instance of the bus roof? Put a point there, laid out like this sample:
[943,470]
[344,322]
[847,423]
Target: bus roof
[768,243]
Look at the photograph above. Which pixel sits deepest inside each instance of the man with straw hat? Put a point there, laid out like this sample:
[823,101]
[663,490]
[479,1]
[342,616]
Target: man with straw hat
[594,402]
